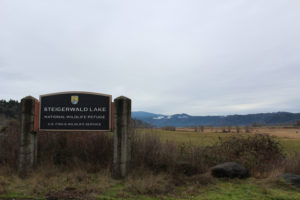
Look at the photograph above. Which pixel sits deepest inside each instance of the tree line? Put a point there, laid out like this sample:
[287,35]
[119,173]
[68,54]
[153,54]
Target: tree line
[9,110]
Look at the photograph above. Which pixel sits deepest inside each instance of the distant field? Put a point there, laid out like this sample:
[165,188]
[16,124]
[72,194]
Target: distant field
[283,132]
[288,137]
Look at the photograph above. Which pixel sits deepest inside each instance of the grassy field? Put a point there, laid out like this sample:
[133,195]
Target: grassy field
[288,137]
[49,182]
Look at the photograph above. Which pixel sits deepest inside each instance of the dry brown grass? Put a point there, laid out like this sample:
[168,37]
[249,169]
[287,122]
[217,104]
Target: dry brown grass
[292,163]
[50,181]
[56,183]
[161,184]
[150,184]
[282,132]
[279,131]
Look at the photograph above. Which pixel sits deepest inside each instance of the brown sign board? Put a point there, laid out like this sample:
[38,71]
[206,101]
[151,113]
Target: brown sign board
[75,111]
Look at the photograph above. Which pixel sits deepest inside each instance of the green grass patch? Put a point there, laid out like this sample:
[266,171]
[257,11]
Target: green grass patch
[247,191]
[113,191]
[222,190]
[291,145]
[16,195]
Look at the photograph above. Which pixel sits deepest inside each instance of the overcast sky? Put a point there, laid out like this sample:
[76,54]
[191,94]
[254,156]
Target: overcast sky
[213,57]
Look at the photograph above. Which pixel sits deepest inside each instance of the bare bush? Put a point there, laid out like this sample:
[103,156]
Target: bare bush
[238,129]
[292,163]
[169,128]
[9,143]
[201,129]
[71,149]
[259,153]
[229,129]
[247,129]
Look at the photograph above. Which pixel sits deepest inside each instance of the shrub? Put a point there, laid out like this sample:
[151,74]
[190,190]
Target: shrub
[238,129]
[201,129]
[292,163]
[169,128]
[149,151]
[259,153]
[9,143]
[247,129]
[93,149]
[229,129]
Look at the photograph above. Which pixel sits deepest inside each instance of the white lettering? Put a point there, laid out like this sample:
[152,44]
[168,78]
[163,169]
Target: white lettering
[75,109]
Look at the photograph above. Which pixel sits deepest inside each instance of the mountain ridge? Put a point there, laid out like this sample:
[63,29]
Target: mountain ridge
[185,120]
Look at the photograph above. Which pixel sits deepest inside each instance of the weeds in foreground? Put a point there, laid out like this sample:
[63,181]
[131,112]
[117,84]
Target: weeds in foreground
[78,165]
[261,154]
[292,163]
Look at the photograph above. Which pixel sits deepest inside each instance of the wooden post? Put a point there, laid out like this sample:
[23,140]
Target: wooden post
[28,137]
[122,137]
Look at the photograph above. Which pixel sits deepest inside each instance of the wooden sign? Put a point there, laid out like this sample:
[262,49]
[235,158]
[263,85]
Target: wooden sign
[75,111]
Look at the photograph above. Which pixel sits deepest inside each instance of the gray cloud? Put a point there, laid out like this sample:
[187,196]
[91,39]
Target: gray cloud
[197,57]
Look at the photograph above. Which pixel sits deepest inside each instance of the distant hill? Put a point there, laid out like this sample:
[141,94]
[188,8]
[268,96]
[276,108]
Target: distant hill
[144,115]
[136,123]
[185,120]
